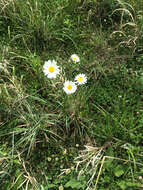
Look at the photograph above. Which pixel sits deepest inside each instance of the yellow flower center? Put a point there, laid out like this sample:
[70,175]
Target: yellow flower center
[74,58]
[51,69]
[80,79]
[69,87]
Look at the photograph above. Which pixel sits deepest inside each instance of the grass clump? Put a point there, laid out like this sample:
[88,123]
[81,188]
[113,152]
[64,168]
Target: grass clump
[50,136]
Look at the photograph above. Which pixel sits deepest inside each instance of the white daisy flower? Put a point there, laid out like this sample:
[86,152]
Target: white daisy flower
[69,87]
[81,79]
[75,58]
[51,69]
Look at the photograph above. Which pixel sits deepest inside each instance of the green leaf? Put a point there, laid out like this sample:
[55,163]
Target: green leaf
[118,171]
[141,171]
[73,184]
[133,184]
[122,185]
[51,185]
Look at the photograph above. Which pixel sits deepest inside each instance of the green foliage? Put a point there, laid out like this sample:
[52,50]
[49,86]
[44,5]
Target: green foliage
[42,24]
[42,129]
[74,184]
[118,171]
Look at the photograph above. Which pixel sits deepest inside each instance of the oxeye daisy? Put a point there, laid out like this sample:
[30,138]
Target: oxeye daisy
[69,87]
[81,79]
[51,69]
[75,58]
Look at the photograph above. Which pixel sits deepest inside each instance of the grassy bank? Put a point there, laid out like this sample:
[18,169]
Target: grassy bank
[91,139]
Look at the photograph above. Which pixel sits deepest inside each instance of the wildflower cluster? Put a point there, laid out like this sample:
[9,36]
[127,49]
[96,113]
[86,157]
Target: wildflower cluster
[51,70]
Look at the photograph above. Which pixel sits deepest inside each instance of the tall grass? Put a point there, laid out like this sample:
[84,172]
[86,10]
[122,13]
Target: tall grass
[38,121]
[41,24]
[24,114]
[129,31]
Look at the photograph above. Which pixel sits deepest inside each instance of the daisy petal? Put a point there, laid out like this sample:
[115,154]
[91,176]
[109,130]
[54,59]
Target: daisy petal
[81,79]
[50,69]
[75,58]
[69,87]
